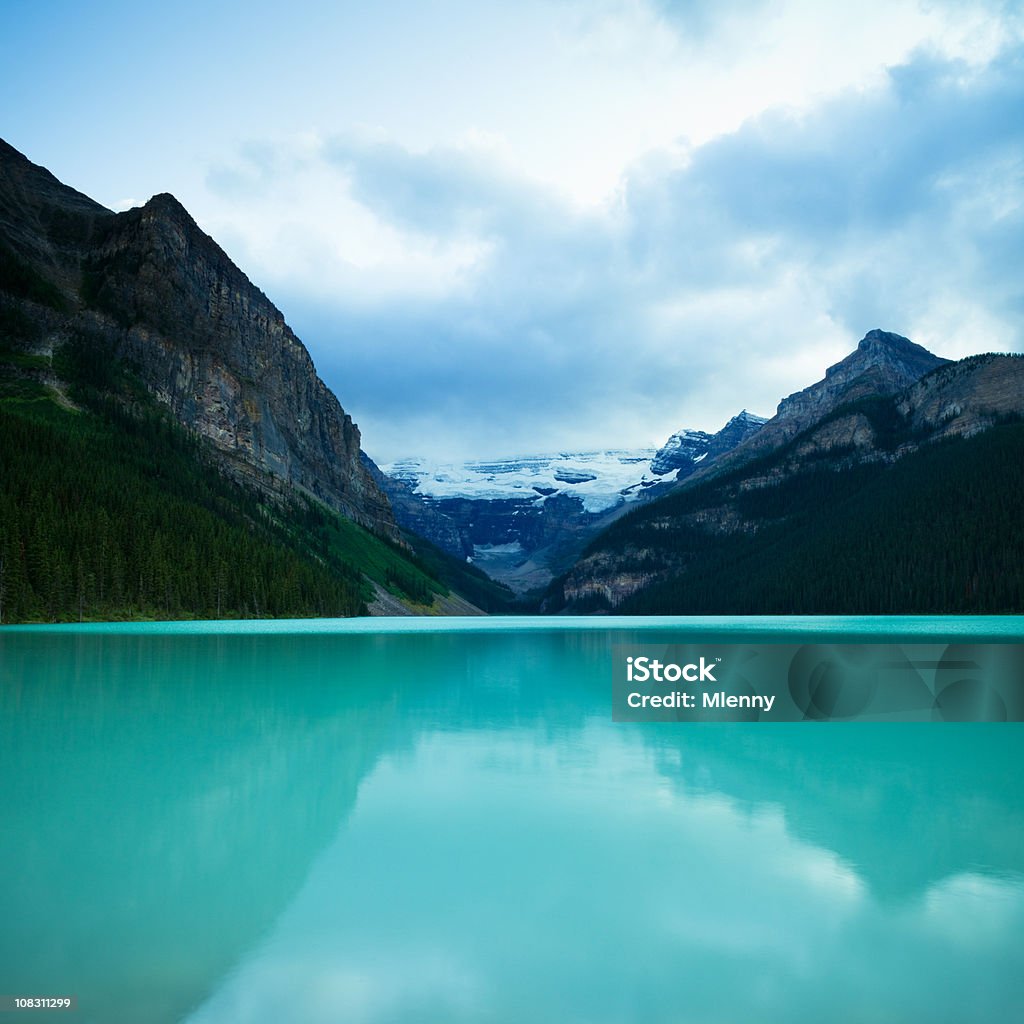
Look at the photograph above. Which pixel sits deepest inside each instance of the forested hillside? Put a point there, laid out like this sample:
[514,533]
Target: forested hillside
[167,449]
[937,531]
[110,510]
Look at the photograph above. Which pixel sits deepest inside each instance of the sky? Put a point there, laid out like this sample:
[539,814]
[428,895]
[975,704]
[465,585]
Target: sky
[557,226]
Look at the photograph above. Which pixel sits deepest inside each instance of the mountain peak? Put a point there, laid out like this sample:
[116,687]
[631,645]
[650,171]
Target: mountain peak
[894,362]
[167,209]
[879,339]
[743,416]
[164,202]
[148,286]
[881,365]
[686,449]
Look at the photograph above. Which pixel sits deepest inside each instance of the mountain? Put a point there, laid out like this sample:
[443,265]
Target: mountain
[685,451]
[168,448]
[519,519]
[150,288]
[882,364]
[524,519]
[600,480]
[868,492]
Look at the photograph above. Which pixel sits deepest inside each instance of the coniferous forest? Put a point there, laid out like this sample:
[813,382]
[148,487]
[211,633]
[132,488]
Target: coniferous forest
[111,511]
[936,532]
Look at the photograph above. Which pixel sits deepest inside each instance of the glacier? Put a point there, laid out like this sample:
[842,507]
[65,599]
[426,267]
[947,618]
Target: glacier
[601,480]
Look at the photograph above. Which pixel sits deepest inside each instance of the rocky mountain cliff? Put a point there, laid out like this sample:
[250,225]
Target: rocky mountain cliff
[687,450]
[682,451]
[150,288]
[882,364]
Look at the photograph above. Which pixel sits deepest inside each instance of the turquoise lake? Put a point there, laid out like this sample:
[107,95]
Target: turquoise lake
[438,821]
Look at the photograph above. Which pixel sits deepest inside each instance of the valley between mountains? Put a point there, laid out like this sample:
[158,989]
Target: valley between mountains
[167,450]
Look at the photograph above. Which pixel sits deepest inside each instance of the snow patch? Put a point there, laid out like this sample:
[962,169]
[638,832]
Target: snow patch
[597,478]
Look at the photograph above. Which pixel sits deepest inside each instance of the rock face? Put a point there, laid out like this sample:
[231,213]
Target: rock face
[681,452]
[149,287]
[734,433]
[882,364]
[688,450]
[965,398]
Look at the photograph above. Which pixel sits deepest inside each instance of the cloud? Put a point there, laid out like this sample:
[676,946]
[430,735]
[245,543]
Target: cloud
[864,163]
[438,191]
[887,201]
[459,306]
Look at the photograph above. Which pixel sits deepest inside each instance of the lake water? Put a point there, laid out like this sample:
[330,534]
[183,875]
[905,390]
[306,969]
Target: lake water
[414,820]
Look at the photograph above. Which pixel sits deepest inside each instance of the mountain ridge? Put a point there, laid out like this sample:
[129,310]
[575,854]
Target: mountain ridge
[883,363]
[96,305]
[654,548]
[148,286]
[169,449]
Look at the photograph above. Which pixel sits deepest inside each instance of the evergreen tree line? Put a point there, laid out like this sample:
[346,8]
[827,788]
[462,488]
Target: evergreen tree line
[114,516]
[937,532]
[413,585]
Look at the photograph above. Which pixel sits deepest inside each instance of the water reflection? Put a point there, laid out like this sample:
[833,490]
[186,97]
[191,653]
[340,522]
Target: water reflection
[449,827]
[161,803]
[496,876]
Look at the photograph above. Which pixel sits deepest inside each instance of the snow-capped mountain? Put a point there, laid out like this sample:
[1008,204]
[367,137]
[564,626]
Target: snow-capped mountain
[523,519]
[684,451]
[687,447]
[601,480]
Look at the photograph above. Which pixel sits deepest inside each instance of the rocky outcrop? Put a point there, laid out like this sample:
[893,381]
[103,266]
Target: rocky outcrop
[882,365]
[151,288]
[605,589]
[742,426]
[687,450]
[964,398]
[681,452]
